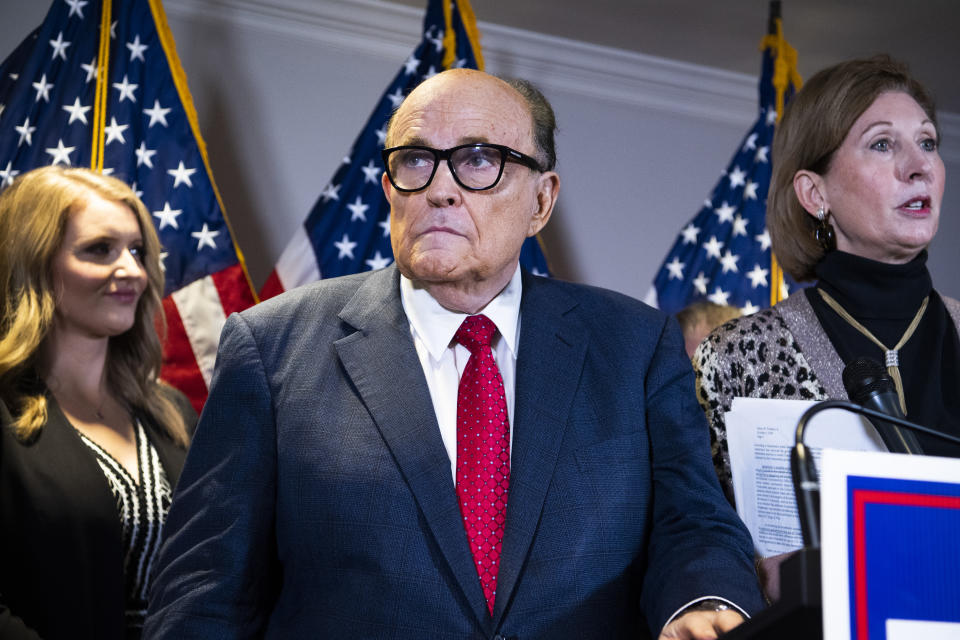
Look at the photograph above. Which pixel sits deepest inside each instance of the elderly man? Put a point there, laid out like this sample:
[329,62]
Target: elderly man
[451,447]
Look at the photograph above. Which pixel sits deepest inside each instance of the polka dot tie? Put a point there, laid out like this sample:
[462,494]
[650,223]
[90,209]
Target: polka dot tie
[483,451]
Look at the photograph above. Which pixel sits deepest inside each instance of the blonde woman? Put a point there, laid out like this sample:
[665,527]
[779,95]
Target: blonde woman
[91,443]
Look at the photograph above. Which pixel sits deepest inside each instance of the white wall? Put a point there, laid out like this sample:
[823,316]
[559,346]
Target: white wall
[282,87]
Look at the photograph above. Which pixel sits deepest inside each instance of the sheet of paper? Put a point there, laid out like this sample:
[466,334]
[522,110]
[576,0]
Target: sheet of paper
[760,435]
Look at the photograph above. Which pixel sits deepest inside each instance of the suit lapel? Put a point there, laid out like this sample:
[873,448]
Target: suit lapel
[382,363]
[552,350]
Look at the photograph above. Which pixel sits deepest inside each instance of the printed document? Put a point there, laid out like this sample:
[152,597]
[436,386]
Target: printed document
[760,435]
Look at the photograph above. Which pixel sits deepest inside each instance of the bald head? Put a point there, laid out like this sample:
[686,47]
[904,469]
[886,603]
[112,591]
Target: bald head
[470,84]
[452,87]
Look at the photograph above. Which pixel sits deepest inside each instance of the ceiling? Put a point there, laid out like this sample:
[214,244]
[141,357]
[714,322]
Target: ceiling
[725,33]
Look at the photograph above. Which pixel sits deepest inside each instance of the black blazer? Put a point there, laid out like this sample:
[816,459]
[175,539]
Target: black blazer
[61,563]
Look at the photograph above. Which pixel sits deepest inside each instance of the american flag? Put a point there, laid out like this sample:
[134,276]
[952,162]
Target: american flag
[149,137]
[348,229]
[723,254]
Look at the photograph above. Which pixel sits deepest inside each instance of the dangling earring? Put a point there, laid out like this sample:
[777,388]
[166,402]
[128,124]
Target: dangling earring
[824,234]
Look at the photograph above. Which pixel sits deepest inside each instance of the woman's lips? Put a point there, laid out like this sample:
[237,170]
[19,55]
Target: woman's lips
[124,297]
[916,206]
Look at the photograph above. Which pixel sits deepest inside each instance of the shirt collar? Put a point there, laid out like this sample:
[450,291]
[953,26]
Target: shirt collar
[436,326]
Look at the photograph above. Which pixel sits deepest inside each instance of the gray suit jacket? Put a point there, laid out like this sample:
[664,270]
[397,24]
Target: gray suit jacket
[317,499]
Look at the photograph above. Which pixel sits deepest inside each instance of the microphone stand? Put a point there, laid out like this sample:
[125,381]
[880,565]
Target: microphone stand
[806,486]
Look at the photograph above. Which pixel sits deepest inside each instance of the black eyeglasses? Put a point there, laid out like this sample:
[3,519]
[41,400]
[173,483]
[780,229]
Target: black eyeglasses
[476,167]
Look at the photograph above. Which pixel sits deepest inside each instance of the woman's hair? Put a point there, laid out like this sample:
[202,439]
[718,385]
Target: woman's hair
[814,125]
[34,211]
[708,314]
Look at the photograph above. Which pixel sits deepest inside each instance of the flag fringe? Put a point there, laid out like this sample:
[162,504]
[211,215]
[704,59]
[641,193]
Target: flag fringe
[785,74]
[100,97]
[469,20]
[785,65]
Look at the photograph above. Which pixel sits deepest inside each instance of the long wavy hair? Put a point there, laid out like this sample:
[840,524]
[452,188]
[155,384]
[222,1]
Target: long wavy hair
[34,211]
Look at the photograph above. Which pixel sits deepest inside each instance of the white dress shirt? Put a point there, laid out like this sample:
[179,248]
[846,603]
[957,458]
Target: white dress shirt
[444,360]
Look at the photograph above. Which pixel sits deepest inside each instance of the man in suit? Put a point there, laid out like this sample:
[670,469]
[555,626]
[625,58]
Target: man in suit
[451,447]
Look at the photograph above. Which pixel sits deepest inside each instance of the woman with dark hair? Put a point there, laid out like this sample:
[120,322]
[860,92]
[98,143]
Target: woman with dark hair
[91,443]
[854,201]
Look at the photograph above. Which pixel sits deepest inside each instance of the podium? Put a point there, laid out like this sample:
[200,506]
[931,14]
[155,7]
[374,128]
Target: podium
[890,561]
[798,614]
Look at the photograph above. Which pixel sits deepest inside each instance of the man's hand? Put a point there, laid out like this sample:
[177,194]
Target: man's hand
[701,625]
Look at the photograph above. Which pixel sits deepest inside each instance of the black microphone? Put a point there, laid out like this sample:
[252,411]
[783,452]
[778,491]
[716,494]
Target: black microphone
[868,384]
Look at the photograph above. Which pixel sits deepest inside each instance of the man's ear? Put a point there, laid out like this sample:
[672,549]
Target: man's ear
[386,186]
[548,188]
[811,192]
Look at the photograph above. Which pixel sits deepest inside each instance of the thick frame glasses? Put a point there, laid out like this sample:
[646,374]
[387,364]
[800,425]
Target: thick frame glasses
[476,167]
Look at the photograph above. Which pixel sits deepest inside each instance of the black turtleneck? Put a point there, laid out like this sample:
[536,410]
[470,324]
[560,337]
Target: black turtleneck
[884,298]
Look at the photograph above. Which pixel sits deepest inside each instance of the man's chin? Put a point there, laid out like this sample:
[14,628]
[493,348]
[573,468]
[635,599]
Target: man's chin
[435,270]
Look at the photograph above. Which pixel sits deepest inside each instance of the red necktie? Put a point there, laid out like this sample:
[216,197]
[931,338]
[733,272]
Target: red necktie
[483,451]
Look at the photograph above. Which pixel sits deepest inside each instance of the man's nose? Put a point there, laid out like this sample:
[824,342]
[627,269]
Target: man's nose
[443,190]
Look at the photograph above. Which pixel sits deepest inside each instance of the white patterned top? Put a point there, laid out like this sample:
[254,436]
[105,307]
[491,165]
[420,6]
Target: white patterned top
[142,504]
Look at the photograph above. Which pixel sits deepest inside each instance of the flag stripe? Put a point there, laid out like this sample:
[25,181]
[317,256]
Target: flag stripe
[203,318]
[298,263]
[231,284]
[180,368]
[272,287]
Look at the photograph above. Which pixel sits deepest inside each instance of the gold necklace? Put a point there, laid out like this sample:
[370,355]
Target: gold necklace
[891,356]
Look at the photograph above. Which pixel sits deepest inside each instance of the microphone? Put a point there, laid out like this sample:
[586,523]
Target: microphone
[806,487]
[868,384]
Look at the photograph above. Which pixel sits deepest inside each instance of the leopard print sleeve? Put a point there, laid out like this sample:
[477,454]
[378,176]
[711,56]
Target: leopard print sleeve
[753,356]
[715,391]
